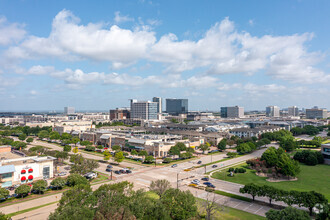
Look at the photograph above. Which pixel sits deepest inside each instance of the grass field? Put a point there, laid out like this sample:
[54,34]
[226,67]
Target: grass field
[315,178]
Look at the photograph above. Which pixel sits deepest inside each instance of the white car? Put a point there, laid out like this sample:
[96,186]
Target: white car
[91,175]
[195,181]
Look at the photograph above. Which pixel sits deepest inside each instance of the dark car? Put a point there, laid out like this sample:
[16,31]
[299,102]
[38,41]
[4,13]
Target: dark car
[122,171]
[207,183]
[128,171]
[211,185]
[3,199]
[108,170]
[214,166]
[174,165]
[117,172]
[199,162]
[205,179]
[109,166]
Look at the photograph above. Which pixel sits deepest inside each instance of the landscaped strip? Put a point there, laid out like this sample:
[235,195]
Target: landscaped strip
[30,209]
[234,196]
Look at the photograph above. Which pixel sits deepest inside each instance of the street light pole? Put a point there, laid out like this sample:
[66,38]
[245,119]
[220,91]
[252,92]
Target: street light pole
[177,180]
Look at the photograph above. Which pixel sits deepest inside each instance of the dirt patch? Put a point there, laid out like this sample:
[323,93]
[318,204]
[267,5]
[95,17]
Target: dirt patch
[275,180]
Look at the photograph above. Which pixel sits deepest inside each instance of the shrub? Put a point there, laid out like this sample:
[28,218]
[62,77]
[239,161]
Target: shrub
[311,160]
[231,169]
[67,148]
[241,170]
[167,160]
[209,189]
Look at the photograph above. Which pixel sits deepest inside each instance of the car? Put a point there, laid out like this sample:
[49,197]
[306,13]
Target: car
[122,171]
[214,166]
[91,175]
[174,165]
[109,166]
[128,171]
[10,188]
[199,162]
[62,174]
[195,181]
[207,183]
[117,172]
[3,199]
[205,179]
[108,170]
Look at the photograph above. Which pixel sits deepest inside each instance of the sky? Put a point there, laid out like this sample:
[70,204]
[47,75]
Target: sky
[96,55]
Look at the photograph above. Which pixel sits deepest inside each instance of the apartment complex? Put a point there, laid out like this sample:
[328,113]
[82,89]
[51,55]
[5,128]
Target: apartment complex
[177,106]
[144,110]
[232,112]
[119,114]
[272,111]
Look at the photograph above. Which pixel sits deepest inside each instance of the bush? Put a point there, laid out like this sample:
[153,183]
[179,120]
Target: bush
[241,170]
[167,160]
[311,160]
[89,148]
[309,157]
[231,169]
[67,148]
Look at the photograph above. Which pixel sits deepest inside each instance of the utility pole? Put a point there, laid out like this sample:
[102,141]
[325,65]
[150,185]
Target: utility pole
[205,169]
[177,180]
[111,174]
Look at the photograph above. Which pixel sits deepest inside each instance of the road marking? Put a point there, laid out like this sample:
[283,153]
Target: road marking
[258,209]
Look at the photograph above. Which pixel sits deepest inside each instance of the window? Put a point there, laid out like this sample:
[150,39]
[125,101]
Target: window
[327,150]
[45,172]
[6,175]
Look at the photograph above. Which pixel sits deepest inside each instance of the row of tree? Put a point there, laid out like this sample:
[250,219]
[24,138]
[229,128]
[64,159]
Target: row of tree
[308,129]
[309,157]
[303,199]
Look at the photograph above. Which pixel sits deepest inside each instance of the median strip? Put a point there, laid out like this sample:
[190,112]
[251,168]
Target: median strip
[30,209]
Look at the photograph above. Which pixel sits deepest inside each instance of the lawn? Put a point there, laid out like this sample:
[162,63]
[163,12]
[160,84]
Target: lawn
[315,178]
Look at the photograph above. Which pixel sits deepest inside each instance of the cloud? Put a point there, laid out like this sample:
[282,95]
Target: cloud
[10,32]
[251,22]
[6,81]
[120,19]
[252,88]
[35,70]
[33,92]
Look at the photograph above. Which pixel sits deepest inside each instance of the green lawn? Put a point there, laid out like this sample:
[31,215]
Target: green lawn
[315,178]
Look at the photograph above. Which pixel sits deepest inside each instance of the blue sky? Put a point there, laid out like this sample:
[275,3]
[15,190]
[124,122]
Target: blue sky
[95,55]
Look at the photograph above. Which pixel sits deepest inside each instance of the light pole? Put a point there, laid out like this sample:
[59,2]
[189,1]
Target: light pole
[177,180]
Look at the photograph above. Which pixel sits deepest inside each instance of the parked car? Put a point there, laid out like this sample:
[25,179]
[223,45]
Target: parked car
[214,166]
[174,165]
[199,162]
[208,184]
[91,175]
[67,168]
[62,174]
[128,171]
[108,170]
[122,171]
[195,181]
[117,172]
[109,166]
[205,179]
[11,188]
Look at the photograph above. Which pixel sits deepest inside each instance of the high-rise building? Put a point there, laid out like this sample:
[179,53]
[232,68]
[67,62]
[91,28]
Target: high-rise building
[273,111]
[159,101]
[119,113]
[232,112]
[69,110]
[177,106]
[316,113]
[143,110]
[293,111]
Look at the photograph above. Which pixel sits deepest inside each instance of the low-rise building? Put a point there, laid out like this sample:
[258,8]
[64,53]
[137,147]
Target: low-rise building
[253,132]
[325,150]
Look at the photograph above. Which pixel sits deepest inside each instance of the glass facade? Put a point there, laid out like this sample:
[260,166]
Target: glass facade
[177,106]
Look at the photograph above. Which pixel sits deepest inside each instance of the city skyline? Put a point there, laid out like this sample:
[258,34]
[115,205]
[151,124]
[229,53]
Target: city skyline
[96,56]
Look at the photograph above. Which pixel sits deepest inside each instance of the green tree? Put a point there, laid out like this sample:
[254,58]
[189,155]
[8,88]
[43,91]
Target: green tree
[43,134]
[231,154]
[61,155]
[40,186]
[75,141]
[3,193]
[58,183]
[160,186]
[167,160]
[76,179]
[243,148]
[89,148]
[251,189]
[222,144]
[287,166]
[106,155]
[179,204]
[4,217]
[19,145]
[181,146]
[174,150]
[134,152]
[119,157]
[82,165]
[289,213]
[23,190]
[85,143]
[270,192]
[54,135]
[143,153]
[149,159]
[116,148]
[204,147]
[22,137]
[66,136]
[311,199]
[67,148]
[270,156]
[29,140]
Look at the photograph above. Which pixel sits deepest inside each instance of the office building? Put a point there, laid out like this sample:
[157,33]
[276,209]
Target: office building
[293,111]
[232,112]
[177,106]
[316,113]
[272,111]
[69,110]
[325,150]
[119,113]
[159,101]
[143,110]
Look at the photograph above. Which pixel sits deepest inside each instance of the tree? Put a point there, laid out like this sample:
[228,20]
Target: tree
[61,155]
[287,166]
[231,154]
[270,156]
[186,155]
[76,179]
[270,192]
[116,148]
[4,217]
[43,134]
[167,160]
[174,150]
[67,148]
[29,140]
[3,193]
[243,148]
[85,143]
[160,186]
[23,190]
[222,144]
[311,199]
[143,153]
[40,186]
[75,150]
[83,166]
[134,152]
[19,145]
[89,148]
[119,157]
[58,183]
[66,136]
[106,155]
[251,189]
[288,213]
[311,160]
[75,141]
[54,135]
[22,137]
[181,146]
[211,206]
[149,159]
[204,147]
[179,204]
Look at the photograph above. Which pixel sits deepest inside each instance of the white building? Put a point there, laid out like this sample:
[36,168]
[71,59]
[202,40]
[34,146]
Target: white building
[144,110]
[69,110]
[293,111]
[273,111]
